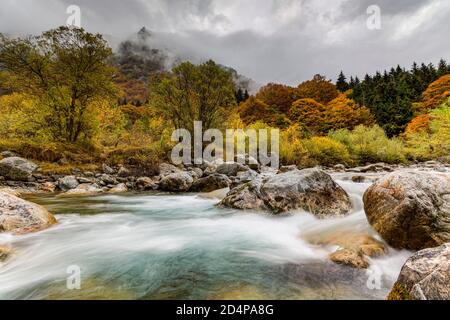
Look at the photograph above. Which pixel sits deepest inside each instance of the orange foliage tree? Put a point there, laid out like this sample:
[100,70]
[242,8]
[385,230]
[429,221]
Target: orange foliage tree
[279,97]
[319,88]
[310,114]
[436,93]
[419,123]
[345,113]
[254,110]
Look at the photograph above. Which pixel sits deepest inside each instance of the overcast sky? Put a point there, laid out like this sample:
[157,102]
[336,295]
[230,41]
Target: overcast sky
[284,41]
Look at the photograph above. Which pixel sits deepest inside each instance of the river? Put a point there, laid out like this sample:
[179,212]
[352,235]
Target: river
[163,246]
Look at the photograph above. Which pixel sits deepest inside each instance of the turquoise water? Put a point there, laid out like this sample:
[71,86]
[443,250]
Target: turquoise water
[162,246]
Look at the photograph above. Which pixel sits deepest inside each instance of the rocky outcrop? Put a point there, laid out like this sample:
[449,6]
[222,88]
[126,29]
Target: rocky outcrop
[176,182]
[20,216]
[311,189]
[211,183]
[410,209]
[17,169]
[425,276]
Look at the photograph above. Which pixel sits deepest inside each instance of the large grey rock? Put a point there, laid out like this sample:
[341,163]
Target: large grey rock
[166,169]
[17,169]
[311,189]
[410,209]
[176,182]
[211,183]
[425,276]
[231,169]
[20,216]
[67,183]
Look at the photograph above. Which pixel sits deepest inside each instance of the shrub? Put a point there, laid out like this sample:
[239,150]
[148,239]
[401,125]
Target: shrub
[370,144]
[433,142]
[326,151]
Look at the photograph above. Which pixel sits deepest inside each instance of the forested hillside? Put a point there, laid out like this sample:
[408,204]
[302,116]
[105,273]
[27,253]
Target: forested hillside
[66,98]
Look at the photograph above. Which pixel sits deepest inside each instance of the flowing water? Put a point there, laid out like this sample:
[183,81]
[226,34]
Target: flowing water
[163,246]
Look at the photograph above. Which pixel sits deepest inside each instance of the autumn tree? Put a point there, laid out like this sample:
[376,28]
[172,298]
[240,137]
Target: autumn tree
[66,69]
[343,112]
[319,89]
[279,97]
[254,110]
[310,114]
[436,93]
[191,93]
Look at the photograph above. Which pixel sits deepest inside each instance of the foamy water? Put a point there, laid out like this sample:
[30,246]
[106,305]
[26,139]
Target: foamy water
[160,246]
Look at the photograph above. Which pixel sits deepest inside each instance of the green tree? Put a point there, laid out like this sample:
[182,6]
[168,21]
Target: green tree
[191,93]
[66,69]
[341,83]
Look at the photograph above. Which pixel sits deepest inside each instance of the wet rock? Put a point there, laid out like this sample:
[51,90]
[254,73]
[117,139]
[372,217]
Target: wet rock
[84,189]
[20,216]
[425,276]
[211,183]
[352,258]
[359,179]
[67,183]
[410,209]
[231,169]
[339,167]
[5,253]
[119,188]
[17,169]
[176,182]
[311,189]
[354,248]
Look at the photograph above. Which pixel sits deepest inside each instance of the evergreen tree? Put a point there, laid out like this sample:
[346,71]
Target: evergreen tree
[341,83]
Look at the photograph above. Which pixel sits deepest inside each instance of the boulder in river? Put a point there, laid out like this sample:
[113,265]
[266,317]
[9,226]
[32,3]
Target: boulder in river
[211,183]
[355,249]
[176,182]
[424,276]
[21,216]
[312,190]
[67,183]
[410,209]
[17,169]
